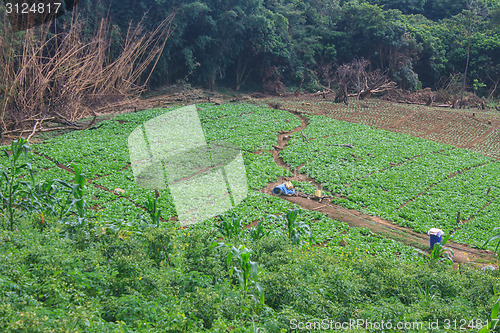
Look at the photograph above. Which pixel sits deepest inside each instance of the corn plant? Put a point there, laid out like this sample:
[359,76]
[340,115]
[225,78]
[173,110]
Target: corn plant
[230,227]
[439,253]
[43,201]
[43,197]
[493,238]
[13,191]
[75,203]
[151,204]
[257,232]
[296,230]
[58,198]
[78,191]
[246,270]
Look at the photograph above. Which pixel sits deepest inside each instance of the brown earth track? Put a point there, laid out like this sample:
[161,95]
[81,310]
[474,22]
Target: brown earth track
[284,137]
[439,127]
[259,152]
[397,122]
[354,116]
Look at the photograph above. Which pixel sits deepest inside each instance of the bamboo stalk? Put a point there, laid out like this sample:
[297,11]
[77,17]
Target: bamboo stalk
[57,76]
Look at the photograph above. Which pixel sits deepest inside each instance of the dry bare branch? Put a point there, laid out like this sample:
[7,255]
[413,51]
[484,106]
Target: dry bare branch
[356,76]
[62,76]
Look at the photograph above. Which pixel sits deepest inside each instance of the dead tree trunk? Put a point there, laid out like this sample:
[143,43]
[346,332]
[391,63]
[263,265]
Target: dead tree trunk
[242,70]
[341,96]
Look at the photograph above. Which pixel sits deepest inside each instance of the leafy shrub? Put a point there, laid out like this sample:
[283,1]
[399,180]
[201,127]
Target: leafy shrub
[128,262]
[159,245]
[495,315]
[270,249]
[190,281]
[199,255]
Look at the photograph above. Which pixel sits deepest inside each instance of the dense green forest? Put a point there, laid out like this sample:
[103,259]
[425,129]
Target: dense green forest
[264,43]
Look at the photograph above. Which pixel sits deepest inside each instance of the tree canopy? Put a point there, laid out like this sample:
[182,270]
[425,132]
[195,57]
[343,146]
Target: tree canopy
[418,43]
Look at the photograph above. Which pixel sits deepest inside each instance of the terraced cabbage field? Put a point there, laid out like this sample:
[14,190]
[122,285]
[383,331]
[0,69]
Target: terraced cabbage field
[473,129]
[114,195]
[415,182]
[121,274]
[412,181]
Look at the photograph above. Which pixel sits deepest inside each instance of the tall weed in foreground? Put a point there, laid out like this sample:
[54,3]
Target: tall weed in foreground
[78,205]
[493,238]
[153,209]
[296,230]
[493,324]
[246,270]
[13,191]
[78,192]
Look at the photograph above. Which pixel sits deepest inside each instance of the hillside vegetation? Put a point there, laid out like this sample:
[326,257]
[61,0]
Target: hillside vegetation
[91,256]
[265,44]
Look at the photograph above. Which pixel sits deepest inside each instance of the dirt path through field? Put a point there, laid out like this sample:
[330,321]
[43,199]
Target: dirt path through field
[463,253]
[399,121]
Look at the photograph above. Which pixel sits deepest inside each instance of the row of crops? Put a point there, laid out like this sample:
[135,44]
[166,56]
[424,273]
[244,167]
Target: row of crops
[112,270]
[462,128]
[114,197]
[415,182]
